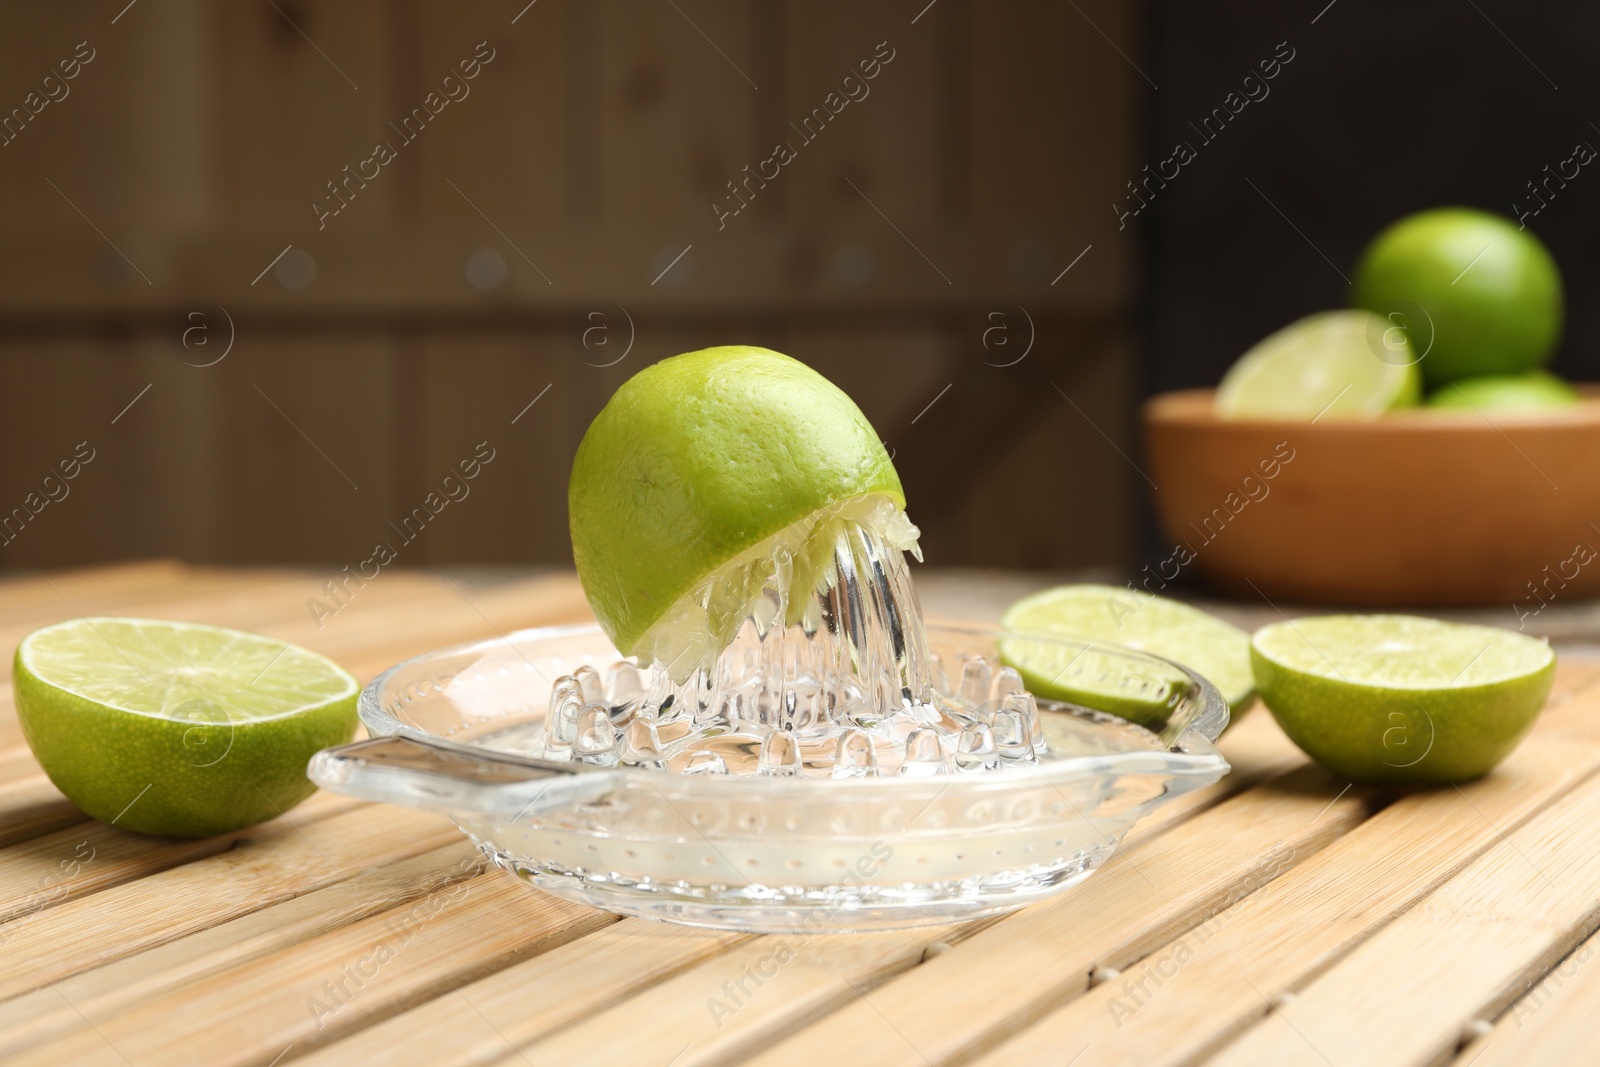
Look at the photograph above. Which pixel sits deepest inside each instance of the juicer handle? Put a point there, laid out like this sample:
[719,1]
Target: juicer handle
[422,774]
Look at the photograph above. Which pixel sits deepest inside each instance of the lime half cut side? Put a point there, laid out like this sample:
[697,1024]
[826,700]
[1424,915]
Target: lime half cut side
[1394,698]
[177,729]
[1138,619]
[1335,364]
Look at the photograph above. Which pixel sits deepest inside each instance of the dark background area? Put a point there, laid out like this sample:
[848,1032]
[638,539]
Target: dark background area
[1386,109]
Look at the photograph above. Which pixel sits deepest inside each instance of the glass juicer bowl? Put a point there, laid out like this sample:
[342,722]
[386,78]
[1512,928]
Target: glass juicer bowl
[454,731]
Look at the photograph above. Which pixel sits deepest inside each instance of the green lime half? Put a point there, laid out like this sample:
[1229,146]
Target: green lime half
[700,467]
[1336,364]
[1392,698]
[1533,391]
[1119,615]
[177,729]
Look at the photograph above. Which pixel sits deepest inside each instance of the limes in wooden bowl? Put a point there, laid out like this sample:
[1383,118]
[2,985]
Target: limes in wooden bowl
[177,729]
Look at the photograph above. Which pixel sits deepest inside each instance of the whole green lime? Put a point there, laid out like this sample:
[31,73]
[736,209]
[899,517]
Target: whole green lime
[1476,295]
[695,461]
[177,729]
[1533,391]
[1395,698]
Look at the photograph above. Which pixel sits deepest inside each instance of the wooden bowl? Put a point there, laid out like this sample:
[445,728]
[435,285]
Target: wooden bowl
[1424,507]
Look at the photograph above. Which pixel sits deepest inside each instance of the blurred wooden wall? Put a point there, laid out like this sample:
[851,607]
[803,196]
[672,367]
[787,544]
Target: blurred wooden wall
[456,286]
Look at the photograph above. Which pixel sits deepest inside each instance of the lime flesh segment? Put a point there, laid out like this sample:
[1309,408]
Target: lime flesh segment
[177,729]
[1393,698]
[1123,616]
[1335,364]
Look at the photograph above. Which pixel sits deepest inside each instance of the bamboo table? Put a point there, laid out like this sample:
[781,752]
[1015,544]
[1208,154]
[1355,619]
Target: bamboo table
[1281,916]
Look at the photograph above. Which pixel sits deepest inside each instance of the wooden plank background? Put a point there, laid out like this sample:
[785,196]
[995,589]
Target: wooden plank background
[586,156]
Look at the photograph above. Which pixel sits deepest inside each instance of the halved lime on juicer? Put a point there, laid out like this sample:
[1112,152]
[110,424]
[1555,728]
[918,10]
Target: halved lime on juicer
[701,458]
[739,528]
[765,736]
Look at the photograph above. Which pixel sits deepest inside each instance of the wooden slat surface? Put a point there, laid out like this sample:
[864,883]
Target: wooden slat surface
[1279,916]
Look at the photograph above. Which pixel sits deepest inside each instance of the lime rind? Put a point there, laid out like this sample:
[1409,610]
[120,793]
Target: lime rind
[1335,364]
